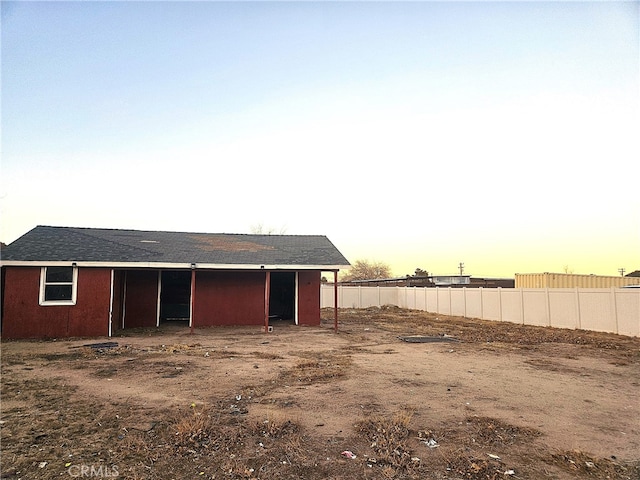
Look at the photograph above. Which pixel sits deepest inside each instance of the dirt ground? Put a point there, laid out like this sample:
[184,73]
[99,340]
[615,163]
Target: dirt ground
[479,400]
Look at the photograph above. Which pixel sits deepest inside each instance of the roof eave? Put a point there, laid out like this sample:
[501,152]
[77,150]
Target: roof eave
[168,265]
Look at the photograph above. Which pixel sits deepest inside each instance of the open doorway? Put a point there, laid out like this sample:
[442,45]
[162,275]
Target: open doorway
[282,296]
[175,296]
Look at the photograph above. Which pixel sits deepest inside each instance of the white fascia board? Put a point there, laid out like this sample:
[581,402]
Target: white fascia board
[170,266]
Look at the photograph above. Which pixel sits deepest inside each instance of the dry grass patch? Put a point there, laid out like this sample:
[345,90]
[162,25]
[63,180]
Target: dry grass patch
[323,369]
[389,440]
[585,466]
[493,432]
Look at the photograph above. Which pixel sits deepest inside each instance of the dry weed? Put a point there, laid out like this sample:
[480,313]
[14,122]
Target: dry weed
[389,439]
[307,372]
[586,466]
[493,432]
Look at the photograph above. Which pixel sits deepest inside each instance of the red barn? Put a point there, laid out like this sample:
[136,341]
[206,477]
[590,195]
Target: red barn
[74,282]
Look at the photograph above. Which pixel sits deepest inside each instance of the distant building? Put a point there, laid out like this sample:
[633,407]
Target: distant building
[454,281]
[570,280]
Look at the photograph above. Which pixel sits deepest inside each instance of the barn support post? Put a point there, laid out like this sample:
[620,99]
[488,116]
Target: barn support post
[335,300]
[158,298]
[192,301]
[111,304]
[267,285]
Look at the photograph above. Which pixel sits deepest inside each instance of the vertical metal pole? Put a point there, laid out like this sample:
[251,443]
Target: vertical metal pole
[267,286]
[335,300]
[193,299]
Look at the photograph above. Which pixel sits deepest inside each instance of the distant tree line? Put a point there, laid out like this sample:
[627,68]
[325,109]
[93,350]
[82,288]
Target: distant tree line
[372,270]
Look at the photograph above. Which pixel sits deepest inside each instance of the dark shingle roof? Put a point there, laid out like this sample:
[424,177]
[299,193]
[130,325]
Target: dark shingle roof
[51,244]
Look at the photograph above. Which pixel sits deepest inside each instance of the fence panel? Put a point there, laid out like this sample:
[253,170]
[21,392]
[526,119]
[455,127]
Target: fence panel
[349,297]
[388,296]
[432,299]
[535,306]
[628,311]
[444,300]
[512,305]
[474,302]
[421,299]
[614,310]
[458,301]
[369,297]
[596,308]
[491,308]
[563,308]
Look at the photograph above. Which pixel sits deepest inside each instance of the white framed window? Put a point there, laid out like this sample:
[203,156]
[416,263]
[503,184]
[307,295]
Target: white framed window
[58,285]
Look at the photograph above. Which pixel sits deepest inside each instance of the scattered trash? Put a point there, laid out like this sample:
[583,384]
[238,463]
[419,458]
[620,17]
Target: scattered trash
[509,472]
[348,454]
[495,457]
[206,354]
[236,410]
[238,397]
[431,443]
[590,464]
[43,464]
[422,339]
[102,345]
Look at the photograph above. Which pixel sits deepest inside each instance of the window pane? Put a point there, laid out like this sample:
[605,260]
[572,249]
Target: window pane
[57,292]
[59,274]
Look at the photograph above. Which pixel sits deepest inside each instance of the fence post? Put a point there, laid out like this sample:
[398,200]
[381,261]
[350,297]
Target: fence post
[426,308]
[522,303]
[614,307]
[546,292]
[577,300]
[464,301]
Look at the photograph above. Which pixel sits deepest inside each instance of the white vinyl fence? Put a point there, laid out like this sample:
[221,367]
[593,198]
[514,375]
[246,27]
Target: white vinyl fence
[614,310]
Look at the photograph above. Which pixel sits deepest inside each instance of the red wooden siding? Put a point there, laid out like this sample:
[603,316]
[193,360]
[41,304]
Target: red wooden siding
[221,298]
[23,317]
[308,297]
[141,298]
[229,298]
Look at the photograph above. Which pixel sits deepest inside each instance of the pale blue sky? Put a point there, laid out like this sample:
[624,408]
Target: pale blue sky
[421,134]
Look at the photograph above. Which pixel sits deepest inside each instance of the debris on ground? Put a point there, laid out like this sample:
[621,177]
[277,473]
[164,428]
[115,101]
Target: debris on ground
[430,339]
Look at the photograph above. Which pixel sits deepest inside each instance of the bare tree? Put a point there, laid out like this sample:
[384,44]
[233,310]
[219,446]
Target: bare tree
[366,270]
[261,229]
